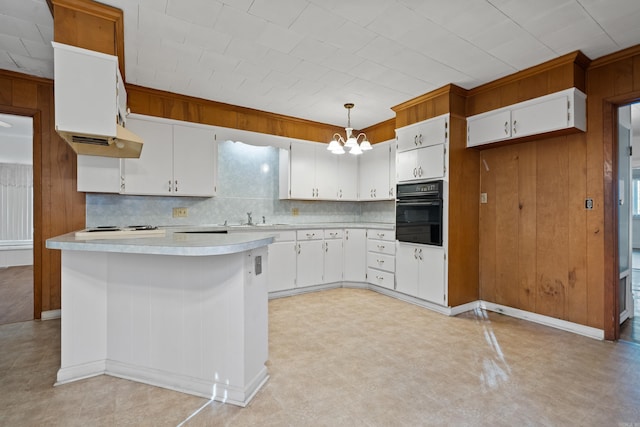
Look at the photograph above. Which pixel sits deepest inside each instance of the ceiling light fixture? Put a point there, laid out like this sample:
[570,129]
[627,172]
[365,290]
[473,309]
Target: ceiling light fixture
[5,124]
[352,143]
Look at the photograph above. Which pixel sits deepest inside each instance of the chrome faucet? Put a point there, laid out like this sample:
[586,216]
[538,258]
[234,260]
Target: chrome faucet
[250,220]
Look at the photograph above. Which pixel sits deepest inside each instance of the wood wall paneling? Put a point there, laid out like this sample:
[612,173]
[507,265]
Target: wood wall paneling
[180,107]
[527,227]
[487,228]
[58,207]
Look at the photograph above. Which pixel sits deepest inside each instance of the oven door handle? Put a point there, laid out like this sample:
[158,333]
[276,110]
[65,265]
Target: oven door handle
[414,203]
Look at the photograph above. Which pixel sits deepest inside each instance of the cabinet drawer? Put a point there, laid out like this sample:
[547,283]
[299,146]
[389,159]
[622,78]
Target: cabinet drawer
[333,233]
[381,261]
[381,278]
[309,234]
[381,246]
[284,236]
[388,235]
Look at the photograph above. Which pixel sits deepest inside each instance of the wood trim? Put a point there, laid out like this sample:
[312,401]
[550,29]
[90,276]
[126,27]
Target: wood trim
[444,90]
[611,272]
[614,57]
[170,105]
[15,76]
[576,57]
[380,132]
[102,11]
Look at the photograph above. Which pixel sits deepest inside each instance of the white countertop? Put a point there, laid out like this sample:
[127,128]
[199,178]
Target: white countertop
[181,240]
[172,244]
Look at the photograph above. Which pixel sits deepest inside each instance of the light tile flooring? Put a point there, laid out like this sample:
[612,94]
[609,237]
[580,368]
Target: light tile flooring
[349,357]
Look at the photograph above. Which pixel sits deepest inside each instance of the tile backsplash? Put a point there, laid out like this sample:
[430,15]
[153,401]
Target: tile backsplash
[247,182]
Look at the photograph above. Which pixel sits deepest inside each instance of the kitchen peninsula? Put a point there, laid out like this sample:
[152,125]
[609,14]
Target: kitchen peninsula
[182,311]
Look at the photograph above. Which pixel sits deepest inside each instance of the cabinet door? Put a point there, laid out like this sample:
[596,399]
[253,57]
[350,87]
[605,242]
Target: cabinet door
[430,162]
[194,161]
[406,169]
[541,117]
[374,173]
[407,138]
[333,257]
[309,263]
[303,167]
[431,285]
[407,269]
[489,128]
[392,171]
[347,177]
[433,131]
[98,174]
[355,255]
[282,266]
[326,176]
[152,173]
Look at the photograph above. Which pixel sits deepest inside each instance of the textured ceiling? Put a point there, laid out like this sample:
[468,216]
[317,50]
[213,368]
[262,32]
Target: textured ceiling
[306,58]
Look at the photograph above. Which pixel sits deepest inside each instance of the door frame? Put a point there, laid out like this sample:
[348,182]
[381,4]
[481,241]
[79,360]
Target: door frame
[37,198]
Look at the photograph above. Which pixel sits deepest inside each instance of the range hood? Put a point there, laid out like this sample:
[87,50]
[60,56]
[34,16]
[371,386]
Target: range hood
[125,144]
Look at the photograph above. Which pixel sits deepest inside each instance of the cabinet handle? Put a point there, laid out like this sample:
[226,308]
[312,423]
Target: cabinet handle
[506,128]
[514,127]
[169,186]
[176,189]
[380,235]
[420,254]
[310,235]
[415,172]
[380,278]
[340,194]
[381,247]
[346,235]
[380,261]
[299,248]
[326,247]
[420,171]
[415,140]
[420,139]
[333,234]
[415,253]
[375,191]
[122,183]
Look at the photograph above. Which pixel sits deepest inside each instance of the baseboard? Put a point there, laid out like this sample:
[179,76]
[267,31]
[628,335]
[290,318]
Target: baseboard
[213,390]
[80,372]
[51,314]
[553,322]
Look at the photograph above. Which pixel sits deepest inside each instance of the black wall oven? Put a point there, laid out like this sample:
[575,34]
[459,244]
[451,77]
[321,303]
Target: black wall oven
[419,213]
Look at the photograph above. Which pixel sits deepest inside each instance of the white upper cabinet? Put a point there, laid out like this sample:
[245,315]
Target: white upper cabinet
[558,111]
[423,134]
[152,173]
[86,92]
[422,149]
[178,159]
[347,177]
[194,161]
[375,183]
[312,172]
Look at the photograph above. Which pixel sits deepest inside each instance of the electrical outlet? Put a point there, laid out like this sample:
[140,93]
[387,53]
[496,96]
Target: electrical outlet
[180,212]
[295,211]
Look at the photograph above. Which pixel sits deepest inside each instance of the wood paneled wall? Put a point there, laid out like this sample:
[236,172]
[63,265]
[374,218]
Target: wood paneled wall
[537,250]
[180,107]
[58,207]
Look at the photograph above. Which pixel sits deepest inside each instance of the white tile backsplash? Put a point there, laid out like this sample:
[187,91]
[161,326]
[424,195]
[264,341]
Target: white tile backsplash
[247,182]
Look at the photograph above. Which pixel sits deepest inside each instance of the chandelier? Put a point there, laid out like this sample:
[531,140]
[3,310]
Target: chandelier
[353,144]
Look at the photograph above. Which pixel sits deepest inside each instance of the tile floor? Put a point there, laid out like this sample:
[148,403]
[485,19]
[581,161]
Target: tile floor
[16,294]
[348,357]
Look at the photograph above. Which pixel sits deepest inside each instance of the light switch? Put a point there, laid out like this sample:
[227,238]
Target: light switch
[483,197]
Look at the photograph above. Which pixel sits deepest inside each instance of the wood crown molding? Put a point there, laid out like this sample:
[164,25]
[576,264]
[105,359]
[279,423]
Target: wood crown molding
[16,75]
[615,57]
[450,88]
[576,57]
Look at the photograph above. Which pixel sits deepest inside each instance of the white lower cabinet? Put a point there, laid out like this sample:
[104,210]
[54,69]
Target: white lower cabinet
[333,256]
[282,262]
[355,255]
[310,255]
[420,272]
[381,258]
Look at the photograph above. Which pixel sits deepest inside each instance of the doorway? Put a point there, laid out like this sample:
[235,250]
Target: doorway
[629,221]
[16,219]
